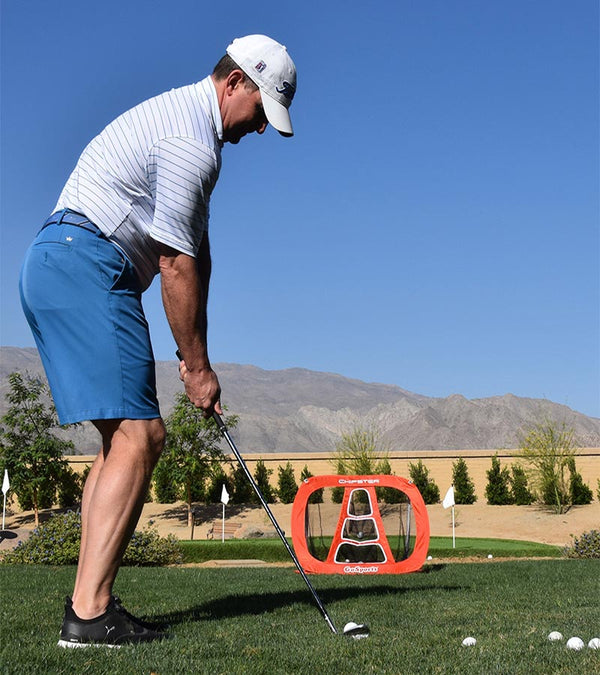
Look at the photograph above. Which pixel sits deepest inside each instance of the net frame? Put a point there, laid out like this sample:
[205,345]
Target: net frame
[411,563]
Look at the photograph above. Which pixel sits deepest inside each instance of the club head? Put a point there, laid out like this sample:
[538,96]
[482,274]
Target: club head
[357,631]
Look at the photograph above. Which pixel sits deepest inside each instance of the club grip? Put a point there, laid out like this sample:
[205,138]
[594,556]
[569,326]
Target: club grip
[217,418]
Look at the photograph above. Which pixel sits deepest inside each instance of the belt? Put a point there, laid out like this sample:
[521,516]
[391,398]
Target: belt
[68,217]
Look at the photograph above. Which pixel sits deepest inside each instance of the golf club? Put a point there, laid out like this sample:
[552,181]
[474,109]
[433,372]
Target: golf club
[354,630]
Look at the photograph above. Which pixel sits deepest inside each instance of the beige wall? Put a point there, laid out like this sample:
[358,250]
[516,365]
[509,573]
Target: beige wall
[439,463]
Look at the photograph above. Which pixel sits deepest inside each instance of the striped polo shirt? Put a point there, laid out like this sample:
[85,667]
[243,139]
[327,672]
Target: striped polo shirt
[148,176]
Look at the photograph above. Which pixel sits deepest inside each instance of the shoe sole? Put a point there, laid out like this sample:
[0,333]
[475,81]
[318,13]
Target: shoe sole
[65,644]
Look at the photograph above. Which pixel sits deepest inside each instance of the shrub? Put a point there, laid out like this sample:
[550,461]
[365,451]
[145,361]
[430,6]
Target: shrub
[261,476]
[464,489]
[148,549]
[522,496]
[497,490]
[70,489]
[387,494]
[317,496]
[580,492]
[585,546]
[337,493]
[287,486]
[56,542]
[242,490]
[165,491]
[214,489]
[419,474]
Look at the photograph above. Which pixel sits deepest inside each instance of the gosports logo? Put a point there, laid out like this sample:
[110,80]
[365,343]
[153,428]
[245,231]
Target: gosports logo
[359,481]
[287,89]
[360,570]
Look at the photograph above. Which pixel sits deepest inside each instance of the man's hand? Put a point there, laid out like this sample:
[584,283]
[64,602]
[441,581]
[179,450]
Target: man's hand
[202,388]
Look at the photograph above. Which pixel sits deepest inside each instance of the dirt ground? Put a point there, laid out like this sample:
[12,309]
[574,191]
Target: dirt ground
[529,523]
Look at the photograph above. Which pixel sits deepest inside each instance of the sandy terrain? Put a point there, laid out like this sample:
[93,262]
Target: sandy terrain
[532,523]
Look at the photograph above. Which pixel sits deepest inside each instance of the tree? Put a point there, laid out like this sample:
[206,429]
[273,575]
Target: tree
[358,452]
[214,489]
[419,475]
[464,489]
[497,491]
[547,448]
[242,490]
[522,496]
[316,497]
[31,453]
[261,476]
[387,494]
[580,492]
[191,451]
[286,482]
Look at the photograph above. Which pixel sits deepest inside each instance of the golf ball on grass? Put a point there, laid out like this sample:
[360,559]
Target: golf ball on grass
[575,643]
[594,643]
[469,642]
[356,631]
[555,636]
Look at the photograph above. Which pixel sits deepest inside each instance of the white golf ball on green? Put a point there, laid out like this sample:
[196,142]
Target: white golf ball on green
[594,643]
[575,643]
[554,636]
[469,642]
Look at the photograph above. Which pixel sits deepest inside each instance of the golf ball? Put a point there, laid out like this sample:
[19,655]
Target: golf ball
[490,556]
[469,642]
[575,643]
[554,636]
[594,643]
[429,557]
[350,626]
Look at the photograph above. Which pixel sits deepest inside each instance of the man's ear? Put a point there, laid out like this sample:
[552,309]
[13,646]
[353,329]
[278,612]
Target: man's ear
[234,79]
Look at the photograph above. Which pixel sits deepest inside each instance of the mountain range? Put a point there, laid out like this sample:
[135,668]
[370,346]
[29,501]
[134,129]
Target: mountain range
[298,410]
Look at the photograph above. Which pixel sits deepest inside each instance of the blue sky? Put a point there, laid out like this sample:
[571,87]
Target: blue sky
[434,221]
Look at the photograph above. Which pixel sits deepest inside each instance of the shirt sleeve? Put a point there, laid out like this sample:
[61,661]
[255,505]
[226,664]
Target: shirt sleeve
[182,173]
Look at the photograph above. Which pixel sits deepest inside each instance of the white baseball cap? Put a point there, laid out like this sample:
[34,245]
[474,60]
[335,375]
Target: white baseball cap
[269,66]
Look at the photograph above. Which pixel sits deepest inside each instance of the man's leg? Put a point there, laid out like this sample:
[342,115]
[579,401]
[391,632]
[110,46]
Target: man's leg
[113,498]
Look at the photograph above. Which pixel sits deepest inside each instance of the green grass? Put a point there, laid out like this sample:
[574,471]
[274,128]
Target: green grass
[272,550]
[263,620]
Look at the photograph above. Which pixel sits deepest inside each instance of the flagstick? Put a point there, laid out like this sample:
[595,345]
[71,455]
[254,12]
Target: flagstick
[453,537]
[223,526]
[3,510]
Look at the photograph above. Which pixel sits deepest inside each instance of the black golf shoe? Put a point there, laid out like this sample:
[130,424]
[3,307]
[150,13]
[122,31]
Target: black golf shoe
[114,628]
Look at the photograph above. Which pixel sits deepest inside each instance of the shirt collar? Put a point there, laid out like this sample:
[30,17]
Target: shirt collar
[208,87]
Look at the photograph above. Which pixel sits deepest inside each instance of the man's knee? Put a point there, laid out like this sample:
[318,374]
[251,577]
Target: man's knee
[156,434]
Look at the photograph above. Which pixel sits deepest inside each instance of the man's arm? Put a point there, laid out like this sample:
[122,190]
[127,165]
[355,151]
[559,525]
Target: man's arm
[184,285]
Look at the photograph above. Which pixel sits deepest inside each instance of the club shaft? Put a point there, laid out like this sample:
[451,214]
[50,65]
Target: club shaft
[279,531]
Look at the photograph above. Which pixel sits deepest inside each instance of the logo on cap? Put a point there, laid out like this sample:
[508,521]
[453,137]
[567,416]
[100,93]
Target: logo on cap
[260,66]
[287,89]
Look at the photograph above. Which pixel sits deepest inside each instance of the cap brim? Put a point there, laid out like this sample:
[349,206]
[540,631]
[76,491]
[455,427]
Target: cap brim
[277,115]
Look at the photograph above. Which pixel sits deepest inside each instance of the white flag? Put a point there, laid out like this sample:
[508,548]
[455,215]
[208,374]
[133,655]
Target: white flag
[449,498]
[5,482]
[224,495]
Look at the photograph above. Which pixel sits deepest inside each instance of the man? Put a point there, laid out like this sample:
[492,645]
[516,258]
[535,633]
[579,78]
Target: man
[136,205]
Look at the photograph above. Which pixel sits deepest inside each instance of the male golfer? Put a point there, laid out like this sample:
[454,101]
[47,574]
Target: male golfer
[137,205]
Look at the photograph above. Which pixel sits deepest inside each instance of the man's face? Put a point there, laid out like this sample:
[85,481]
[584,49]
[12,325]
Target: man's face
[243,113]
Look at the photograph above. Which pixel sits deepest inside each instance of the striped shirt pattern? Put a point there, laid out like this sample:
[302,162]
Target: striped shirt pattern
[148,176]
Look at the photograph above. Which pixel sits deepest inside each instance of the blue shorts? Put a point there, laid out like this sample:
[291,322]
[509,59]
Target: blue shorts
[82,300]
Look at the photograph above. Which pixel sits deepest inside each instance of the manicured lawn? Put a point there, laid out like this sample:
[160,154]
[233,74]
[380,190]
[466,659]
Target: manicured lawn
[272,550]
[262,620]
